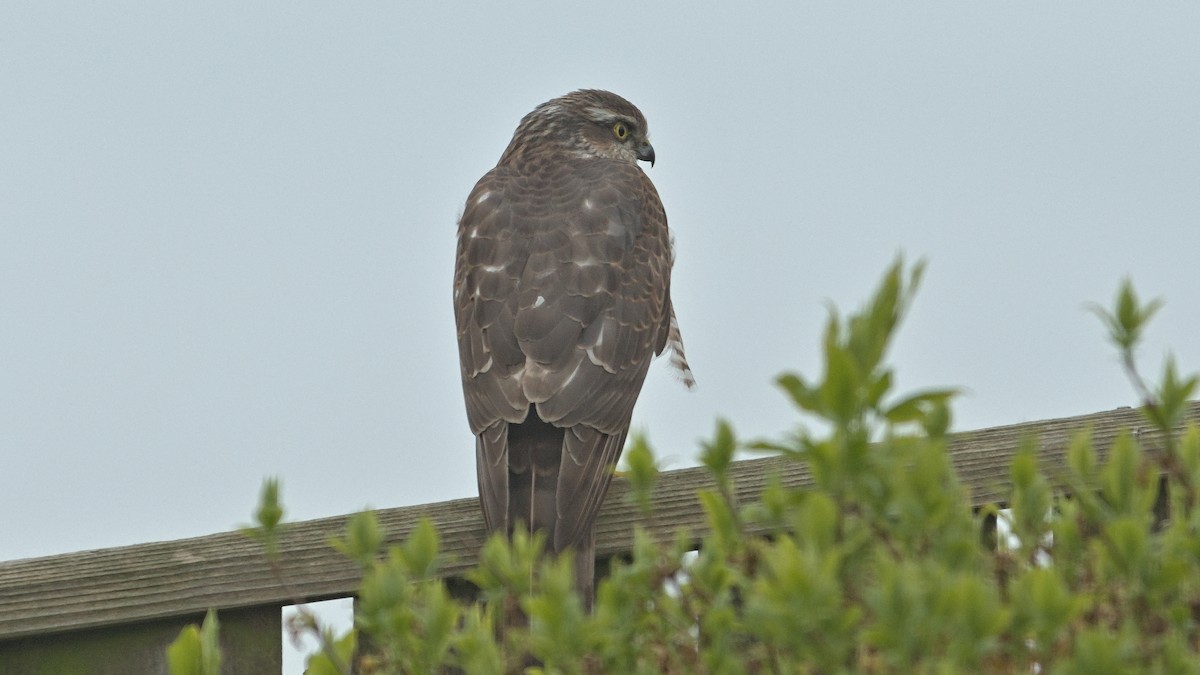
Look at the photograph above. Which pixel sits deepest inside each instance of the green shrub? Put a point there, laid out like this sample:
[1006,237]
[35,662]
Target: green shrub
[878,567]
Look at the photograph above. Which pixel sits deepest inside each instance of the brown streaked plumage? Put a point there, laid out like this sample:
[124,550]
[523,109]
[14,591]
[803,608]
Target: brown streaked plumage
[562,298]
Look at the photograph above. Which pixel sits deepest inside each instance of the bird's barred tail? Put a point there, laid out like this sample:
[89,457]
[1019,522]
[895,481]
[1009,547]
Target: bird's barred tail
[678,358]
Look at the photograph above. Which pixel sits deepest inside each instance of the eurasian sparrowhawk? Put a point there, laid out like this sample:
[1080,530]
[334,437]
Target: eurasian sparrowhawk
[562,296]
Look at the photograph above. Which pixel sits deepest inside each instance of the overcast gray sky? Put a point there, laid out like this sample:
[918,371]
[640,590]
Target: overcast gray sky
[227,229]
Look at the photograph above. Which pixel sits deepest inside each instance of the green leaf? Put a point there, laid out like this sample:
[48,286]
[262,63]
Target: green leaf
[1119,477]
[421,550]
[1132,316]
[267,518]
[474,648]
[772,447]
[1173,396]
[210,648]
[718,454]
[721,520]
[364,539]
[1043,606]
[804,396]
[1081,457]
[1031,498]
[505,565]
[1189,453]
[1128,318]
[871,330]
[818,521]
[839,391]
[557,617]
[183,655]
[270,512]
[877,389]
[196,651]
[642,472]
[324,663]
[1127,538]
[1097,651]
[937,419]
[915,407]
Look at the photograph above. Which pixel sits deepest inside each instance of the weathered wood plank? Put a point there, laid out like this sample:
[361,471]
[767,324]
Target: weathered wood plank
[179,578]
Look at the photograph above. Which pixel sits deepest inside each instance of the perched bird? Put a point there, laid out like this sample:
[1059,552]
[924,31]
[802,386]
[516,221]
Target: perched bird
[562,296]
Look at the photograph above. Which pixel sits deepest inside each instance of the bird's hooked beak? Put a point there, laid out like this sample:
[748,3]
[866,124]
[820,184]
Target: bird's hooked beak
[645,152]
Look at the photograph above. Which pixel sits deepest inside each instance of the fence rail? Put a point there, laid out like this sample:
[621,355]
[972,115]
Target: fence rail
[114,610]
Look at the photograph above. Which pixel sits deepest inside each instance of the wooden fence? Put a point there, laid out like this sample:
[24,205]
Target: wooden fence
[113,611]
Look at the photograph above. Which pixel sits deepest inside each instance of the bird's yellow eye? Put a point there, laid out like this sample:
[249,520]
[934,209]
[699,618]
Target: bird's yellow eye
[621,131]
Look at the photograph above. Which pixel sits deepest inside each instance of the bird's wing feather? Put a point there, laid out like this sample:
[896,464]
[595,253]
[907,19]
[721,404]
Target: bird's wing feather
[583,477]
[486,273]
[491,456]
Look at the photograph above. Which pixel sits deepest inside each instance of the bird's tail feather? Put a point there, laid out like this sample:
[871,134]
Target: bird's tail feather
[679,360]
[585,569]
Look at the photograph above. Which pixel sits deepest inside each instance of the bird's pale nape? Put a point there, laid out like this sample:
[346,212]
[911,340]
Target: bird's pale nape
[561,298]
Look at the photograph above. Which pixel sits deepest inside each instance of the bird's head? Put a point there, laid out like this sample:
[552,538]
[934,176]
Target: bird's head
[586,123]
